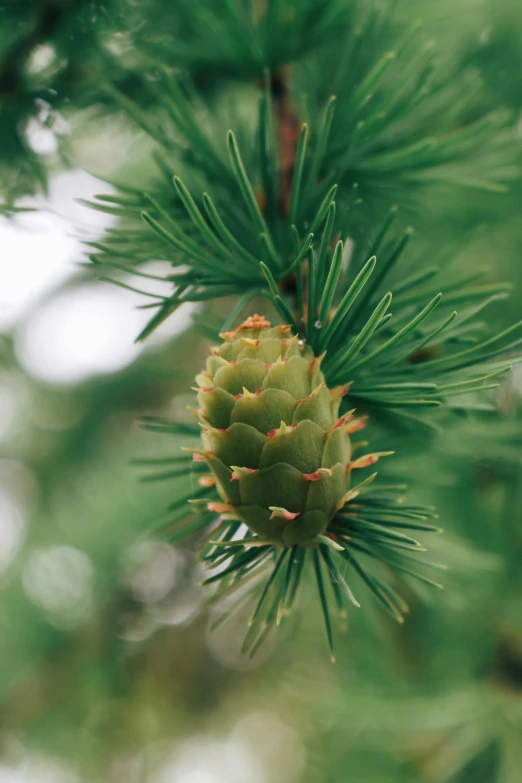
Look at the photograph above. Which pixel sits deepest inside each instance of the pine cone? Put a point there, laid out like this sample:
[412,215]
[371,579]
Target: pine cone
[273,440]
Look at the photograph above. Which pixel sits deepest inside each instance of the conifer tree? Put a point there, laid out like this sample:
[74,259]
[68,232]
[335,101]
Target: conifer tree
[315,172]
[297,201]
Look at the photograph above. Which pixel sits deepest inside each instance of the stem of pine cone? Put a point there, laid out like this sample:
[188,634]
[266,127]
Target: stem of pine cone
[288,127]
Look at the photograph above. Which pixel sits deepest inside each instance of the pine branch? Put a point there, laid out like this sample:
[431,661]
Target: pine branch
[372,527]
[275,206]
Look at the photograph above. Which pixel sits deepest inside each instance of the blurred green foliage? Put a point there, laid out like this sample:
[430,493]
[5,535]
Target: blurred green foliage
[109,669]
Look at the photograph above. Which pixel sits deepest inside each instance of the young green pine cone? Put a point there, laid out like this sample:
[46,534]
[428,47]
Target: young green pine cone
[273,440]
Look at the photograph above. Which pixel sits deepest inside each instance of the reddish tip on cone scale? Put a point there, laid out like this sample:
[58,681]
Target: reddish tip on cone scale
[312,394]
[287,428]
[369,459]
[317,361]
[201,456]
[364,462]
[246,393]
[238,473]
[206,481]
[342,421]
[338,392]
[283,513]
[219,508]
[316,475]
[355,426]
[255,322]
[252,322]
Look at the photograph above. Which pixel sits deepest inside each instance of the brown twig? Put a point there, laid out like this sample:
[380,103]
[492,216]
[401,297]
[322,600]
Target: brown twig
[288,129]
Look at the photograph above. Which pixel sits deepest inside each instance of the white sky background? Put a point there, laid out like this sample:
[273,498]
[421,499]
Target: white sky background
[66,337]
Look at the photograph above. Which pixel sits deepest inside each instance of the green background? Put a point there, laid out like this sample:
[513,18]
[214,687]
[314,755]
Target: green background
[109,667]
